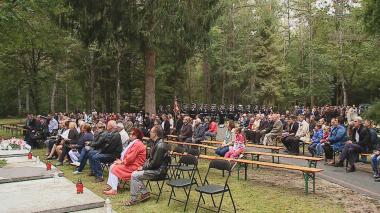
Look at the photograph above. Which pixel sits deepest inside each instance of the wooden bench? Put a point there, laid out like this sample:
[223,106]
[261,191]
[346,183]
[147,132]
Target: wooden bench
[172,137]
[308,173]
[312,161]
[205,147]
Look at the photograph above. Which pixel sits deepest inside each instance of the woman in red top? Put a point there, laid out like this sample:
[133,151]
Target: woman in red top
[212,129]
[132,158]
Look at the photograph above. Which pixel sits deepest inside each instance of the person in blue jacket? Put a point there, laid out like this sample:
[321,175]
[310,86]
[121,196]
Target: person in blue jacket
[316,139]
[336,140]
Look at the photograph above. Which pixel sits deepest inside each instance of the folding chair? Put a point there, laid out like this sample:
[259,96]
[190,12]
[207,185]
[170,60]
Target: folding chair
[159,186]
[172,166]
[183,168]
[213,189]
[186,182]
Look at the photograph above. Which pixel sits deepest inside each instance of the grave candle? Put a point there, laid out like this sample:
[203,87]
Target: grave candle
[48,165]
[79,187]
[30,155]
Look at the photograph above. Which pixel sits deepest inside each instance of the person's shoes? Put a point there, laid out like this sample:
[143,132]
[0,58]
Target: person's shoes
[377,179]
[287,151]
[376,176]
[76,172]
[339,164]
[144,197]
[110,192]
[58,164]
[91,174]
[75,164]
[352,169]
[49,158]
[99,179]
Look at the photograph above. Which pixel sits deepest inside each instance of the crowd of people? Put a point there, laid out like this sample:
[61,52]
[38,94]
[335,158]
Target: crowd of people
[117,139]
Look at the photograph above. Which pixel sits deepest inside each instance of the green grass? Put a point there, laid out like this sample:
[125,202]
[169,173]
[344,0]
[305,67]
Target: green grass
[248,195]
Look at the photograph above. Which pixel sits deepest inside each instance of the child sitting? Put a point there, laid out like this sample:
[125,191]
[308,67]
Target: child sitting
[238,147]
[316,139]
[325,137]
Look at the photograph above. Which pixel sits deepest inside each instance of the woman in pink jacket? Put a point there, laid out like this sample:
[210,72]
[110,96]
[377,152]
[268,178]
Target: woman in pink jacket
[132,158]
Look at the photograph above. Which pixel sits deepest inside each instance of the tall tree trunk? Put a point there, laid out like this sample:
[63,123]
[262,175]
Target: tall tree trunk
[150,80]
[19,100]
[207,81]
[92,81]
[54,89]
[27,104]
[66,98]
[119,53]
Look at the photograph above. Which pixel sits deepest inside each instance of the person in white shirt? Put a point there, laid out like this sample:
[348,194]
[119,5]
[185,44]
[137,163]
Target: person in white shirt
[123,134]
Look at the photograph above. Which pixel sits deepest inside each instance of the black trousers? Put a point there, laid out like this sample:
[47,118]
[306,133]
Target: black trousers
[349,152]
[292,144]
[329,151]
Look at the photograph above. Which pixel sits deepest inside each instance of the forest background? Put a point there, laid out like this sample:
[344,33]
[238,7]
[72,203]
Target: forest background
[119,56]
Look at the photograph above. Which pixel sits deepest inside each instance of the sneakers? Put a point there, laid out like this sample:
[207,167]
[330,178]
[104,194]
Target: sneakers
[75,164]
[352,169]
[76,172]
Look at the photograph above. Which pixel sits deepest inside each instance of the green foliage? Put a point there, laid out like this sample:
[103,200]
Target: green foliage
[373,112]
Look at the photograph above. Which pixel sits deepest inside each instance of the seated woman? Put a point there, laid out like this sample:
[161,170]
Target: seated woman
[239,145]
[325,138]
[96,144]
[316,140]
[227,142]
[85,136]
[132,159]
[64,131]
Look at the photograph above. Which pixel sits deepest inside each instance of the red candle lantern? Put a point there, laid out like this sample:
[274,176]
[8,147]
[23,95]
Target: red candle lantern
[80,187]
[30,155]
[48,165]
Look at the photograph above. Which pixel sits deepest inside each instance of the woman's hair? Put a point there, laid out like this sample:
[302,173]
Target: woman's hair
[86,127]
[138,133]
[67,123]
[231,124]
[72,125]
[238,130]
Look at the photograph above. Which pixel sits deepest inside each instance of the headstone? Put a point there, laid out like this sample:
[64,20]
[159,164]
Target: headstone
[17,174]
[13,153]
[44,196]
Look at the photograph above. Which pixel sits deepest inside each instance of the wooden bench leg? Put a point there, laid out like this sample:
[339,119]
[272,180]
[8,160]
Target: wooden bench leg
[245,171]
[307,177]
[312,163]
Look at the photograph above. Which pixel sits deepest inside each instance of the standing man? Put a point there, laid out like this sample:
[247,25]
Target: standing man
[155,167]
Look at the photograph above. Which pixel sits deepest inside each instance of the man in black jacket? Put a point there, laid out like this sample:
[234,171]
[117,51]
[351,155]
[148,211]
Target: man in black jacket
[108,153]
[155,167]
[359,143]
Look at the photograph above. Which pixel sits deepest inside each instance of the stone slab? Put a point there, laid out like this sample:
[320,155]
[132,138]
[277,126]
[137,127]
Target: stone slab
[44,195]
[17,174]
[13,153]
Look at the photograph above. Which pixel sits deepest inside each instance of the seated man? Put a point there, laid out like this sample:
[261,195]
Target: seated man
[154,168]
[359,143]
[132,158]
[375,160]
[97,144]
[199,132]
[186,132]
[111,150]
[212,129]
[292,143]
[336,140]
[267,129]
[274,132]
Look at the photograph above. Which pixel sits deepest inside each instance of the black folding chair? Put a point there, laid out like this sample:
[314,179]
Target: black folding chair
[159,186]
[214,189]
[186,182]
[173,165]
